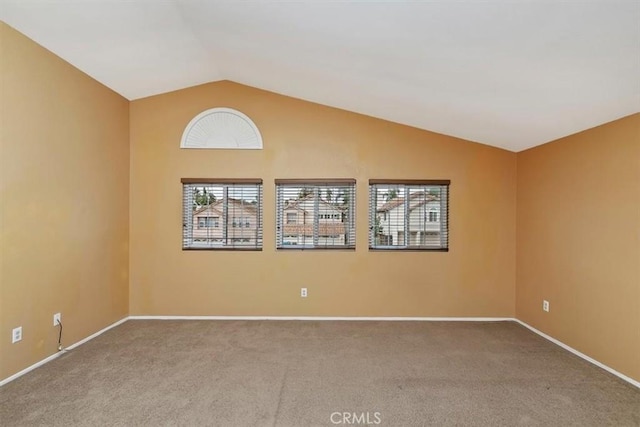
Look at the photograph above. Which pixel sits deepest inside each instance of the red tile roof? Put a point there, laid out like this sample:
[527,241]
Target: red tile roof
[237,204]
[394,203]
[330,229]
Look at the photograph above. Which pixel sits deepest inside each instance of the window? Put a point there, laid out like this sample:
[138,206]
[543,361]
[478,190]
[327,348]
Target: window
[432,215]
[207,222]
[221,128]
[409,214]
[315,214]
[292,217]
[222,214]
[329,216]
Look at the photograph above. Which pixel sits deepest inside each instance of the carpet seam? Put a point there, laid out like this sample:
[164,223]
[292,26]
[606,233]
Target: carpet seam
[284,380]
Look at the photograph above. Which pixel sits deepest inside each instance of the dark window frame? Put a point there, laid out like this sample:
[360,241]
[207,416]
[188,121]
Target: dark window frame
[228,240]
[315,187]
[379,241]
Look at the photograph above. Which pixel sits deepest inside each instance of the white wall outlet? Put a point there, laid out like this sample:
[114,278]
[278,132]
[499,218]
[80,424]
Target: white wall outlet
[545,305]
[303,292]
[57,318]
[16,335]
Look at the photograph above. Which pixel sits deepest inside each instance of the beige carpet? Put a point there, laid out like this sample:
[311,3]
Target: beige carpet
[293,373]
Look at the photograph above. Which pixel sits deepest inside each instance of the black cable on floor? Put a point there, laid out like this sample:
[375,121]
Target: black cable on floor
[60,336]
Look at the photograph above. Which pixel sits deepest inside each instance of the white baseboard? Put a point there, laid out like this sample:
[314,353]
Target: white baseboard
[405,319]
[29,369]
[330,318]
[580,354]
[100,332]
[322,318]
[58,354]
[308,318]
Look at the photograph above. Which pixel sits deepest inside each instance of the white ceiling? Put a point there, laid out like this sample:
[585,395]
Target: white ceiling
[505,73]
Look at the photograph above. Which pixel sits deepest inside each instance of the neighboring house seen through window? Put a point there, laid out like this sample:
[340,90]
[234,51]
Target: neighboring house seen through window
[315,214]
[222,214]
[409,214]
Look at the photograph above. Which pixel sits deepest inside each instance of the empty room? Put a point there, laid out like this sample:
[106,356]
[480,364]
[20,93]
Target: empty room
[269,213]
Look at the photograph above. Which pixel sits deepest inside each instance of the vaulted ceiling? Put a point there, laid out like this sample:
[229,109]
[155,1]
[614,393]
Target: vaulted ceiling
[504,73]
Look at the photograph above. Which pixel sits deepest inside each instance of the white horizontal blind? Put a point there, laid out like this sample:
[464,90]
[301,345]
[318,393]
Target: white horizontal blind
[315,214]
[222,215]
[409,214]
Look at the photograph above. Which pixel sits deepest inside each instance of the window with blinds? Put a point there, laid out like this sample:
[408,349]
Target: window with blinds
[222,214]
[409,214]
[315,214]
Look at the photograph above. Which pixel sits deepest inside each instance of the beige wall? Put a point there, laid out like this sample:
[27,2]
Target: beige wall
[301,139]
[72,187]
[579,242]
[64,202]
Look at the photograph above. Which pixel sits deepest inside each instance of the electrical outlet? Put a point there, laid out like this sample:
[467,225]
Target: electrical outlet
[545,305]
[57,318]
[303,292]
[16,335]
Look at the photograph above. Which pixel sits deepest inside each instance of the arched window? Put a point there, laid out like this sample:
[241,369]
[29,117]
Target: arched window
[221,128]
